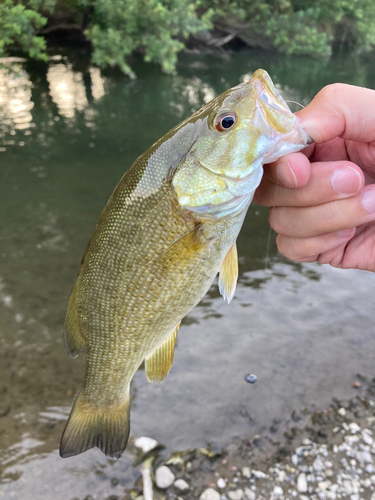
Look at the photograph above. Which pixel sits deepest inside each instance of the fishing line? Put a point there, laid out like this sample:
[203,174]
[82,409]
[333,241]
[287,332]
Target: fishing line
[295,102]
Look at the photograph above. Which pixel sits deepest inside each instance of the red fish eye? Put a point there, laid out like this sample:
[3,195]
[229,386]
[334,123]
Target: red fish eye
[225,121]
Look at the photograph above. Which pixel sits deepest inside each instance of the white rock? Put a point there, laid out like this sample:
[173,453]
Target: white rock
[259,474]
[354,428]
[318,464]
[294,459]
[351,487]
[303,497]
[351,439]
[246,472]
[364,456]
[302,483]
[370,468]
[342,411]
[145,443]
[367,438]
[366,482]
[250,495]
[323,485]
[278,491]
[345,426]
[164,477]
[221,483]
[181,485]
[210,494]
[235,495]
[281,476]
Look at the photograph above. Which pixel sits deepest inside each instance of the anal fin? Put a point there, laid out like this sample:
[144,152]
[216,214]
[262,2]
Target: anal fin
[159,363]
[73,340]
[228,274]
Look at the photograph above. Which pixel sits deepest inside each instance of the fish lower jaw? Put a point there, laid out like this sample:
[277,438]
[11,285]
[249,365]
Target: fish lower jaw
[227,209]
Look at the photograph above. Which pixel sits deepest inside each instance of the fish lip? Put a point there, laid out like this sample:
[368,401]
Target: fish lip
[223,176]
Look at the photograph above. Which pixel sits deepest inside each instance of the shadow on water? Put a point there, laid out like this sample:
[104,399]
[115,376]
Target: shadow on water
[68,132]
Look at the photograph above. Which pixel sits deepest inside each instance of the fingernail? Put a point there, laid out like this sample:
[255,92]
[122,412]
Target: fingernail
[286,174]
[345,233]
[346,180]
[368,201]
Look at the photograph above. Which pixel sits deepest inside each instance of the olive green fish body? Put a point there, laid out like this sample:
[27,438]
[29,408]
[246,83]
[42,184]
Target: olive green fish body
[168,229]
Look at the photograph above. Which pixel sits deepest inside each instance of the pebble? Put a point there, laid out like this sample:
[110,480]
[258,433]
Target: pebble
[221,483]
[354,428]
[145,443]
[302,483]
[258,474]
[367,438]
[164,477]
[278,491]
[246,472]
[210,494]
[294,459]
[341,411]
[251,378]
[235,495]
[181,485]
[318,464]
[250,495]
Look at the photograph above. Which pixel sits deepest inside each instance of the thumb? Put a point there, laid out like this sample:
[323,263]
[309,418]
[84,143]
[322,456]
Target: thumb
[340,110]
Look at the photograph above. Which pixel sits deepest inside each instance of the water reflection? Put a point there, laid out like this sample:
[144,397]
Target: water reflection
[15,98]
[67,89]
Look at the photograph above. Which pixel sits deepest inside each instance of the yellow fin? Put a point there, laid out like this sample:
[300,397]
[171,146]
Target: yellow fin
[229,274]
[159,363]
[106,427]
[73,340]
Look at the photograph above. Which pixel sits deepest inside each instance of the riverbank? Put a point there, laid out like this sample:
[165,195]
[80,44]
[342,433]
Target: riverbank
[324,454]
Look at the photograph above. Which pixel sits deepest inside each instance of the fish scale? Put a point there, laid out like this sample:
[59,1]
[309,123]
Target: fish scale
[169,227]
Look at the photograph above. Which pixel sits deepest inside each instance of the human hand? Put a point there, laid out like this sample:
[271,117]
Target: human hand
[323,198]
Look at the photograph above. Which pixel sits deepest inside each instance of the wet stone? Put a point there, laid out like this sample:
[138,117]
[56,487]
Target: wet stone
[181,485]
[221,483]
[235,495]
[145,443]
[164,477]
[210,494]
[302,483]
[246,472]
[250,494]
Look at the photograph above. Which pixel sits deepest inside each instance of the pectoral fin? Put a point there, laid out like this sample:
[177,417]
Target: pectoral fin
[73,340]
[228,274]
[159,363]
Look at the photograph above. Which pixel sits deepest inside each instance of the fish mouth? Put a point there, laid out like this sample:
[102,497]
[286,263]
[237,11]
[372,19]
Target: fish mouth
[226,209]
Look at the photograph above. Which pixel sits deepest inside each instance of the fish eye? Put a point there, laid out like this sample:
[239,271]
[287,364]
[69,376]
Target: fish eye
[225,121]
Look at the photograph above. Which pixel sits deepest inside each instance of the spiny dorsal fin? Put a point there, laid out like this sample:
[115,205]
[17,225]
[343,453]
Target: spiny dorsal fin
[159,363]
[73,340]
[229,274]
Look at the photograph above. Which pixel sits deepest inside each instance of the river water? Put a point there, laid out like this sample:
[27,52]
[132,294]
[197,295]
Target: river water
[67,133]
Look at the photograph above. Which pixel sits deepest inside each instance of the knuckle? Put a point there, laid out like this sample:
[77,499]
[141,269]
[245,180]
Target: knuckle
[331,91]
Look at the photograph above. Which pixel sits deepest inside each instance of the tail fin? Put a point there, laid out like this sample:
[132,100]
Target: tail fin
[108,429]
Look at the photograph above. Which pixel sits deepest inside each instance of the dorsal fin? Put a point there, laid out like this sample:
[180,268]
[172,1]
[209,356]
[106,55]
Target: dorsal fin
[229,274]
[73,340]
[159,363]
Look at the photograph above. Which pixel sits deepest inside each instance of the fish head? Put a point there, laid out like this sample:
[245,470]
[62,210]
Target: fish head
[236,133]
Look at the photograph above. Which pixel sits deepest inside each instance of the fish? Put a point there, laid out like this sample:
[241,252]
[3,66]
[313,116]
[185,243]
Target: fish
[168,229]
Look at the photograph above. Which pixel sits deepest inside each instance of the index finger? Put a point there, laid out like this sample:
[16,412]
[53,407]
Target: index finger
[340,110]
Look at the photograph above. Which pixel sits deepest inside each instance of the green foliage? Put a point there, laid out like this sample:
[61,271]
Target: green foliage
[19,23]
[159,28]
[121,26]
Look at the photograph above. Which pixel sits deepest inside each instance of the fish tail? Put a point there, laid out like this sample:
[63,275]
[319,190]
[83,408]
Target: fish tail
[107,428]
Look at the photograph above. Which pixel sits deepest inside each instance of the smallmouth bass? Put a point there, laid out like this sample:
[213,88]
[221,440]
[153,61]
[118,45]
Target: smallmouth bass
[169,227]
